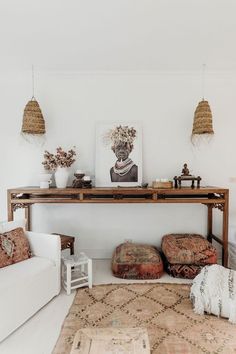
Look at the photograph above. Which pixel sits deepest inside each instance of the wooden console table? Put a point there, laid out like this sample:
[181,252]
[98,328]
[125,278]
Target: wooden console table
[212,197]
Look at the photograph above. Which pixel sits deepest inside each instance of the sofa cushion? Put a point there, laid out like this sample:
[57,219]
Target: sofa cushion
[14,247]
[25,287]
[136,261]
[23,272]
[188,249]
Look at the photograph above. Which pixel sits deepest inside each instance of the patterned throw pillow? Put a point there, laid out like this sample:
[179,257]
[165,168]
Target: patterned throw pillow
[14,247]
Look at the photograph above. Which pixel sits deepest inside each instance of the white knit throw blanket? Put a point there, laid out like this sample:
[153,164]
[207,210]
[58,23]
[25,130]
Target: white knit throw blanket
[213,291]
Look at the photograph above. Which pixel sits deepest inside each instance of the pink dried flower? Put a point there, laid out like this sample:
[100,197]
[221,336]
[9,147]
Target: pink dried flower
[60,159]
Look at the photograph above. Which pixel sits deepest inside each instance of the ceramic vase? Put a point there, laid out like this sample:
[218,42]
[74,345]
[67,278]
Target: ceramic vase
[61,177]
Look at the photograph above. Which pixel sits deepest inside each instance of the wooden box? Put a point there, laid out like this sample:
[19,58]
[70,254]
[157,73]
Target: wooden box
[168,184]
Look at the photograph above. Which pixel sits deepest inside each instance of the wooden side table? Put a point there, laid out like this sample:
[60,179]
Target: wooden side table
[66,242]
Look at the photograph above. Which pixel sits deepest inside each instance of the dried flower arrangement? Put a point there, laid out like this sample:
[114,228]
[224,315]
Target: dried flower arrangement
[60,159]
[121,134]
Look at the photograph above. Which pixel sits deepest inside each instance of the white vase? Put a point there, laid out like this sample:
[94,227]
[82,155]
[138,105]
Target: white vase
[61,177]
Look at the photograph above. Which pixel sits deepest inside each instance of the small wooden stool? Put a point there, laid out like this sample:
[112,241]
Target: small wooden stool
[76,272]
[66,242]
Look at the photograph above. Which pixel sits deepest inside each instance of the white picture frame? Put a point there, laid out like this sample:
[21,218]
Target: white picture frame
[111,171]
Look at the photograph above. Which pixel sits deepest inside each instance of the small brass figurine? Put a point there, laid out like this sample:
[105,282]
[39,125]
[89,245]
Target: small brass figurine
[185,170]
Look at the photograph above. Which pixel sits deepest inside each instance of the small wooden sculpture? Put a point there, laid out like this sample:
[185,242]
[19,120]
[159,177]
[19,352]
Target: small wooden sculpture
[79,181]
[186,176]
[185,170]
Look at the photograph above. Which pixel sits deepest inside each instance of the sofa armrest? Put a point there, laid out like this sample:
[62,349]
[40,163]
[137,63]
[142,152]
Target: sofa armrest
[47,246]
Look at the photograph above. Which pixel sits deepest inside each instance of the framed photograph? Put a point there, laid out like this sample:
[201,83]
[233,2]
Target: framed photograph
[118,154]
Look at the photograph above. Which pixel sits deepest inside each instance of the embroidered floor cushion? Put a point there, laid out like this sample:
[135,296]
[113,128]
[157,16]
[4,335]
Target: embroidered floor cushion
[188,249]
[186,271]
[214,291]
[136,261]
[14,247]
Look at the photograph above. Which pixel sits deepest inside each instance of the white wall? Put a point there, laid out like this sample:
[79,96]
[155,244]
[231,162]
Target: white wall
[164,103]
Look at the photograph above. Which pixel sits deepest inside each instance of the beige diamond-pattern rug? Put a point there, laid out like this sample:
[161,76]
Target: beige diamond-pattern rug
[164,309]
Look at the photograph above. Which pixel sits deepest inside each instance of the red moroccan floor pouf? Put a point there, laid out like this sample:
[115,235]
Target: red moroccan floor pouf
[136,261]
[186,271]
[188,249]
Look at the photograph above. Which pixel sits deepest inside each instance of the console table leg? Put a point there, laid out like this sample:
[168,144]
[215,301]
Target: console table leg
[225,229]
[209,223]
[28,219]
[10,211]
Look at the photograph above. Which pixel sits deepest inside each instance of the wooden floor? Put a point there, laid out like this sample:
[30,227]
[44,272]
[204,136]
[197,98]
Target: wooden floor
[39,334]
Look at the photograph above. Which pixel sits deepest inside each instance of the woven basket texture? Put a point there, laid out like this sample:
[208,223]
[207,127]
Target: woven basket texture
[33,121]
[202,123]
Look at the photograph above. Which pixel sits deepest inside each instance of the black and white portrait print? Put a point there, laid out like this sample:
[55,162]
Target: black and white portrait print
[118,155]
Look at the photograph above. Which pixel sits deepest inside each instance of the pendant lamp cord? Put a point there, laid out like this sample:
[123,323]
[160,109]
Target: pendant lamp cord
[203,81]
[33,98]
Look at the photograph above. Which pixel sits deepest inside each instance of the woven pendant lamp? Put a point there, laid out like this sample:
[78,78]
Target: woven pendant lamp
[33,121]
[202,122]
[33,125]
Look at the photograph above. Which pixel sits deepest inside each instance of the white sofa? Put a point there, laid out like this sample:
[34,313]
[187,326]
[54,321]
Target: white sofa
[27,286]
